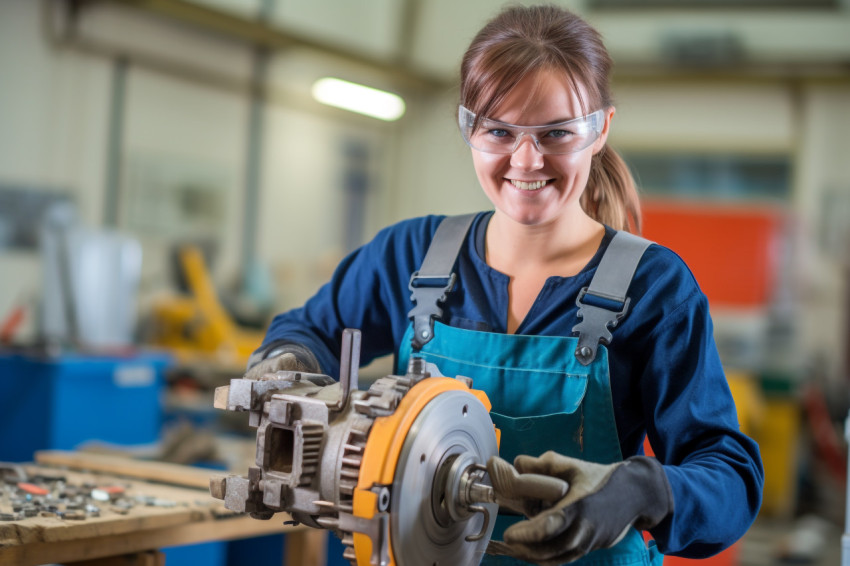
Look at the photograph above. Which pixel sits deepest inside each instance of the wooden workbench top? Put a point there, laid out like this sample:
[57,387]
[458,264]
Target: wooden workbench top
[182,515]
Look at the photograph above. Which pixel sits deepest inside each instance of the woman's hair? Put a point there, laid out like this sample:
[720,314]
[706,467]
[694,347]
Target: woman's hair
[523,41]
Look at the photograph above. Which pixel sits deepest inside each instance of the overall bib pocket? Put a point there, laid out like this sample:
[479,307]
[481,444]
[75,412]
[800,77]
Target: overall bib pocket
[532,436]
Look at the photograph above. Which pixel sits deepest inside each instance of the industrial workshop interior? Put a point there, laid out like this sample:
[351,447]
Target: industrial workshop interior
[175,173]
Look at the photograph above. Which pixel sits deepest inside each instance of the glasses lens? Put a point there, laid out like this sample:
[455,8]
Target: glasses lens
[492,136]
[466,121]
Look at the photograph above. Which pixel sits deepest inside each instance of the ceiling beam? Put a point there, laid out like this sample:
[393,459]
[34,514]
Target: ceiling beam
[258,32]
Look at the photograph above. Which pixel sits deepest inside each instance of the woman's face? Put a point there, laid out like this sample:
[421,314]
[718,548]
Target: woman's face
[527,186]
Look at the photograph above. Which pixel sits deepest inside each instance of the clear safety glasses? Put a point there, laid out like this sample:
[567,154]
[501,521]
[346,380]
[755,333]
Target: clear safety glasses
[492,136]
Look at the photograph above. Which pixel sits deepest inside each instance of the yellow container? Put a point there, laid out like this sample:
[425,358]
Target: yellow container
[748,400]
[774,422]
[779,440]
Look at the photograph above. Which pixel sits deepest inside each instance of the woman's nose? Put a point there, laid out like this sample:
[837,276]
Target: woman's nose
[526,156]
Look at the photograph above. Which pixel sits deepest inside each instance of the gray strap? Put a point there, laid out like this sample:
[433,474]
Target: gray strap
[436,277]
[611,283]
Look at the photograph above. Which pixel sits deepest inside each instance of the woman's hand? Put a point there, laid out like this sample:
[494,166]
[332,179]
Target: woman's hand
[602,502]
[286,357]
[283,362]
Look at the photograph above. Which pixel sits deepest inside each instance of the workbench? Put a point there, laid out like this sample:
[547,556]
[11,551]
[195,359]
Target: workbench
[169,505]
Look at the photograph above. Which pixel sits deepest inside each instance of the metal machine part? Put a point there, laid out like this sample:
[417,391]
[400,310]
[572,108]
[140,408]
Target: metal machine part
[436,455]
[396,471]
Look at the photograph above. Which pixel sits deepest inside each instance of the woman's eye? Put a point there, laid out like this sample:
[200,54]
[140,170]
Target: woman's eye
[558,134]
[498,133]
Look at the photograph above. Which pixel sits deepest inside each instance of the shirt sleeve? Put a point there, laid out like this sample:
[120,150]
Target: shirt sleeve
[368,292]
[714,470]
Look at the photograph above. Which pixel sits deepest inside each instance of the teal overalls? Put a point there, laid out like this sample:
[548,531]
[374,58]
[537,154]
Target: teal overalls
[547,392]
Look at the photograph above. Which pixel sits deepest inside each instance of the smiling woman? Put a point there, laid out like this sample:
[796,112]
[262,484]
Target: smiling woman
[586,338]
[540,180]
[535,59]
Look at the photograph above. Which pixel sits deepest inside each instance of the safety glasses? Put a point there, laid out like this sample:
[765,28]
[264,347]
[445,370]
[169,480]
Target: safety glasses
[492,136]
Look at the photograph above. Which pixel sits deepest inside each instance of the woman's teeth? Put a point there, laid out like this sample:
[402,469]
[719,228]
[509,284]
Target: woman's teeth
[523,186]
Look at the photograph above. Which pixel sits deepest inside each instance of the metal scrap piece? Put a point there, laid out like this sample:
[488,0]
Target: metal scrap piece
[12,473]
[74,515]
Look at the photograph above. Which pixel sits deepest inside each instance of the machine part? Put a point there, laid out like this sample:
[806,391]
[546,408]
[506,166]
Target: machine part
[434,457]
[336,457]
[196,325]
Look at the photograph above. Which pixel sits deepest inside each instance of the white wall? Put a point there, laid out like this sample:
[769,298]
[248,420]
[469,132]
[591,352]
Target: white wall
[53,126]
[181,130]
[436,174]
[822,204]
[186,114]
[704,115]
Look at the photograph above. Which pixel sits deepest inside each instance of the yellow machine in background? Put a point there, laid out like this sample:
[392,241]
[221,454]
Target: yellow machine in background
[196,327]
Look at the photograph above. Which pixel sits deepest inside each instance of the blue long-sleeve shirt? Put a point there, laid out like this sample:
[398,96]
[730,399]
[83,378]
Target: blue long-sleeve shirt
[666,377]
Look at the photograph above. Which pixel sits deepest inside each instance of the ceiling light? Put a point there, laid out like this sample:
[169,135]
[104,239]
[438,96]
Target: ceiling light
[358,98]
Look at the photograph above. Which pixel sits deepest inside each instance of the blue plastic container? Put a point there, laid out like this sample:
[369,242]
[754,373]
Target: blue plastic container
[201,554]
[48,403]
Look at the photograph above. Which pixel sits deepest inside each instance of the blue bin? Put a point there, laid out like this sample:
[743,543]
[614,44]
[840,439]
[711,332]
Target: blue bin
[201,554]
[59,403]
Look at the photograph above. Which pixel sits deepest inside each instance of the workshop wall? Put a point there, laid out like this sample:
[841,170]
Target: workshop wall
[170,140]
[53,121]
[822,209]
[183,122]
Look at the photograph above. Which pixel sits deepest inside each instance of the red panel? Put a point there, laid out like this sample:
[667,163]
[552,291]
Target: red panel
[731,250]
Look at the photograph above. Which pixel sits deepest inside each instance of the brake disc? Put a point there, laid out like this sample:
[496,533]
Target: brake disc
[452,432]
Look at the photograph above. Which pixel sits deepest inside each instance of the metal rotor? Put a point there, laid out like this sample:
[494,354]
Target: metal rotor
[428,526]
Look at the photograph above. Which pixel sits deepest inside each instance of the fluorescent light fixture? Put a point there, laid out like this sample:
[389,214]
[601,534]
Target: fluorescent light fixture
[358,98]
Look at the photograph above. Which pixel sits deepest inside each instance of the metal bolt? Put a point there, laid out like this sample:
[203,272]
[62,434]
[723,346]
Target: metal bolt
[383,498]
[425,333]
[585,352]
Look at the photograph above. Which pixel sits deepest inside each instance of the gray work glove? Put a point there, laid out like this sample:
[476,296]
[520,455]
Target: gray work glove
[286,357]
[601,503]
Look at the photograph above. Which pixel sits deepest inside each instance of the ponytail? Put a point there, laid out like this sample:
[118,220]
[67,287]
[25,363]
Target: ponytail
[611,195]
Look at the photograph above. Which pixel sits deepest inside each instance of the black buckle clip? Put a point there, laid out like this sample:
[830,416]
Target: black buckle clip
[594,326]
[426,298]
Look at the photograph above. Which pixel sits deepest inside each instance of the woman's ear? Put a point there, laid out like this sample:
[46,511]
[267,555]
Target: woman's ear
[603,137]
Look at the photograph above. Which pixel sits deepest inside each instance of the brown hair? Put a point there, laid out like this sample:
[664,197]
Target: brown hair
[522,41]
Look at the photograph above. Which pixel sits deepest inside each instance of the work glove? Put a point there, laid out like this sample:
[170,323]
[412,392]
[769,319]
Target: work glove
[601,503]
[286,357]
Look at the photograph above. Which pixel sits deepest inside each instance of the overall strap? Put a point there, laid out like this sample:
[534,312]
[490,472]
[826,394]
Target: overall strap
[436,277]
[604,303]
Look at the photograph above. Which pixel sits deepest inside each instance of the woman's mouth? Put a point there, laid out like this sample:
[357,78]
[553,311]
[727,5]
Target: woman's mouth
[529,185]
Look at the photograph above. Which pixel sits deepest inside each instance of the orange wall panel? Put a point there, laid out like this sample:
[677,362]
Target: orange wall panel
[732,251]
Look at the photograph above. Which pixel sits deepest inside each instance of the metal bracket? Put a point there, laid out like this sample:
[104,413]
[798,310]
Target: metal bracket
[594,327]
[349,366]
[377,529]
[427,293]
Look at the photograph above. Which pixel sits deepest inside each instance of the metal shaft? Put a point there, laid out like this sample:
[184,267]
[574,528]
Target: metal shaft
[532,486]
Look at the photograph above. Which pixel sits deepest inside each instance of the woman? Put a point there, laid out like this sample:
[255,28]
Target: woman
[585,338]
